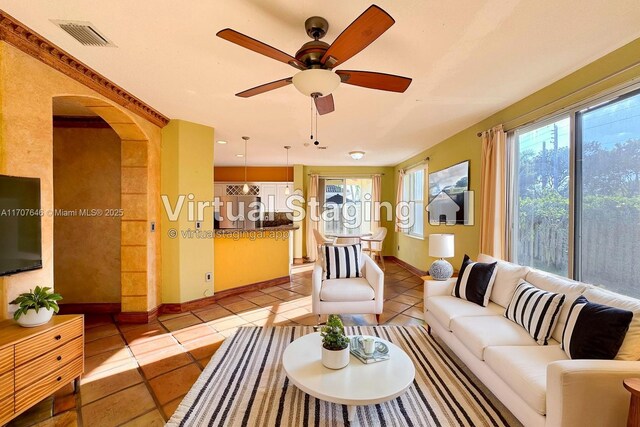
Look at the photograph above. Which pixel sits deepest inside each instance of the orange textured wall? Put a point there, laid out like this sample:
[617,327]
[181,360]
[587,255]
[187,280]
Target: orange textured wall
[254,174]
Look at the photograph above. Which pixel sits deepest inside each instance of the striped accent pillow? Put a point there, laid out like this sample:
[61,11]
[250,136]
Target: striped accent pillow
[594,331]
[535,310]
[475,281]
[342,262]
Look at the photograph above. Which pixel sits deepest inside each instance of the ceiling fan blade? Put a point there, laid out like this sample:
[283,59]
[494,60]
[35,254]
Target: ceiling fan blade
[259,47]
[373,80]
[358,35]
[264,88]
[324,104]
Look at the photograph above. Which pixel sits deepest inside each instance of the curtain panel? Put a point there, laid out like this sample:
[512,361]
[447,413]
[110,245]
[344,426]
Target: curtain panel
[493,187]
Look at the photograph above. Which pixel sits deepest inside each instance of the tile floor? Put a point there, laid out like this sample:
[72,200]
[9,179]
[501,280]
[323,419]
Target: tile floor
[136,375]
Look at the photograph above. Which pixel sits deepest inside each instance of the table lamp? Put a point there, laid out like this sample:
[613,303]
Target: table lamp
[441,246]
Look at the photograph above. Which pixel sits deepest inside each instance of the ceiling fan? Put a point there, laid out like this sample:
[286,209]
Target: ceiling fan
[316,59]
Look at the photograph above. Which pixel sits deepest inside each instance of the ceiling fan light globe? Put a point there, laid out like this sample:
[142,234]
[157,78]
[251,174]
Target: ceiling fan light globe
[316,80]
[356,155]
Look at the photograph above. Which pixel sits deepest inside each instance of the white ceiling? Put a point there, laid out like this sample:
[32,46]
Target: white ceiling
[468,59]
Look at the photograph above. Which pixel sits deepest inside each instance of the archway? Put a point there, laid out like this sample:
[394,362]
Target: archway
[134,226]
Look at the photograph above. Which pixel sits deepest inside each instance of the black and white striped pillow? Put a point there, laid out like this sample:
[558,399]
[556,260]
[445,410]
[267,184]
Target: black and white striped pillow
[342,262]
[475,281]
[535,310]
[594,331]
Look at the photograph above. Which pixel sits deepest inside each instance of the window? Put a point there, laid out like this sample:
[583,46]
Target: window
[541,197]
[413,192]
[599,243]
[346,207]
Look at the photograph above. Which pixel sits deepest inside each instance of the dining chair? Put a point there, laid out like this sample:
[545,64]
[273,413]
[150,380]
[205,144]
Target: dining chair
[374,243]
[321,240]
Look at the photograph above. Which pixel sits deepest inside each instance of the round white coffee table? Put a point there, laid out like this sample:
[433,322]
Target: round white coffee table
[357,384]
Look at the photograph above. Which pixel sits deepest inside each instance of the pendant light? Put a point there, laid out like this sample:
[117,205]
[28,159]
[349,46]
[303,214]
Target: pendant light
[245,187]
[286,190]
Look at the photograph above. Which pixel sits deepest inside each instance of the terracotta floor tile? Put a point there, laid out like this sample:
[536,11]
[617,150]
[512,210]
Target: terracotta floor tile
[117,408]
[181,322]
[96,388]
[416,312]
[65,419]
[229,300]
[170,316]
[213,313]
[107,360]
[150,419]
[193,332]
[404,320]
[309,320]
[204,347]
[270,289]
[174,384]
[171,407]
[264,300]
[396,306]
[283,293]
[143,349]
[205,361]
[227,322]
[101,345]
[257,314]
[297,313]
[251,294]
[240,306]
[414,280]
[414,293]
[143,333]
[160,363]
[93,320]
[406,299]
[100,331]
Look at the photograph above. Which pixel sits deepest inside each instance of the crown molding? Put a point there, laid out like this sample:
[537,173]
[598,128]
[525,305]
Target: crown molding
[33,44]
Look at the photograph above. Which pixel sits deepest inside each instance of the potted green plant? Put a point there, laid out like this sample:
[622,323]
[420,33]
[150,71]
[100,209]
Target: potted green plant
[36,307]
[335,344]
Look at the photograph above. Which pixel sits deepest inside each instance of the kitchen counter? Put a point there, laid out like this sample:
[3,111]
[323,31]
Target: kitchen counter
[248,257]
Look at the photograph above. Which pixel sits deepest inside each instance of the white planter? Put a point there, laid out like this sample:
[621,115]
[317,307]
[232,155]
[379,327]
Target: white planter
[335,359]
[32,318]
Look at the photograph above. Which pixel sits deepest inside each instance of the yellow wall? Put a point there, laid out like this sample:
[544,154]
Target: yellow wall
[298,185]
[187,168]
[250,257]
[254,174]
[27,88]
[86,175]
[388,192]
[465,145]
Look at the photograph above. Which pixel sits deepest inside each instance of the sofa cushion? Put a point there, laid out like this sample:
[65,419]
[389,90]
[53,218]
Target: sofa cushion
[552,283]
[475,281]
[594,331]
[535,310]
[524,369]
[508,276]
[479,332]
[447,308]
[343,290]
[630,349]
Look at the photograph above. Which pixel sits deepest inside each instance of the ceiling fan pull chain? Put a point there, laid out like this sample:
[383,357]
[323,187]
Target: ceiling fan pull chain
[316,142]
[311,117]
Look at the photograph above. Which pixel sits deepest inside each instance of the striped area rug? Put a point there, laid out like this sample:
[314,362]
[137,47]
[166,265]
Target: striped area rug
[245,385]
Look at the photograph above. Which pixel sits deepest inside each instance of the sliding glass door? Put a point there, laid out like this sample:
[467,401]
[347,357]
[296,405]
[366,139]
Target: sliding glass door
[346,206]
[608,195]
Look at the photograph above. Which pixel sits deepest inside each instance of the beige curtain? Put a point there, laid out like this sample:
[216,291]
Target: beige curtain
[493,202]
[376,198]
[399,196]
[312,211]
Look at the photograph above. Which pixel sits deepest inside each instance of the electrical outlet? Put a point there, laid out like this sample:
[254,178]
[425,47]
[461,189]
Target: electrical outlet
[198,225]
[153,227]
[398,247]
[207,277]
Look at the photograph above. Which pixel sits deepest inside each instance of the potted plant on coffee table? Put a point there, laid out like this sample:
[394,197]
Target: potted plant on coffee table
[335,344]
[36,307]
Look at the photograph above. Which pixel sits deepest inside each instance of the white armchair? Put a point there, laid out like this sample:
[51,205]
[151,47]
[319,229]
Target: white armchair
[363,295]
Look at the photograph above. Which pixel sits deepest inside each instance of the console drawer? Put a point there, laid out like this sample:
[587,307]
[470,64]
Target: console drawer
[48,384]
[48,362]
[6,359]
[6,384]
[47,341]
[6,409]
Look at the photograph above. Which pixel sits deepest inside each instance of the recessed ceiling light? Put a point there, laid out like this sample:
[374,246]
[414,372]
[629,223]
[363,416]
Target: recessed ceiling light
[356,155]
[239,155]
[220,141]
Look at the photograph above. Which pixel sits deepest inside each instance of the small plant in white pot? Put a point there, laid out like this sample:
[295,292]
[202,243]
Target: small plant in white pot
[335,344]
[36,307]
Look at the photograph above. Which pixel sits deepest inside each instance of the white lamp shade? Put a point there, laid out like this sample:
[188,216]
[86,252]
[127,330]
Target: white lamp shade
[441,245]
[316,81]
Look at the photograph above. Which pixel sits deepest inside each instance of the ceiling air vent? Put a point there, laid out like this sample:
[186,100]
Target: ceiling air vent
[85,32]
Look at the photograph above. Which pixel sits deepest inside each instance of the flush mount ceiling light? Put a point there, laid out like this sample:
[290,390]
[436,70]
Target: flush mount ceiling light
[356,155]
[239,155]
[220,141]
[316,82]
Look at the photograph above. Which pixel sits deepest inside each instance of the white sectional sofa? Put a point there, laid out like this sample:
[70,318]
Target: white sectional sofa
[540,385]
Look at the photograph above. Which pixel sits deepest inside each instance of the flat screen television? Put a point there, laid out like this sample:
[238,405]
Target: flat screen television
[20,225]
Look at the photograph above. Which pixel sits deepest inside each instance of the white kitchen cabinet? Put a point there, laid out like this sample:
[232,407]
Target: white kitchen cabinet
[268,196]
[281,197]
